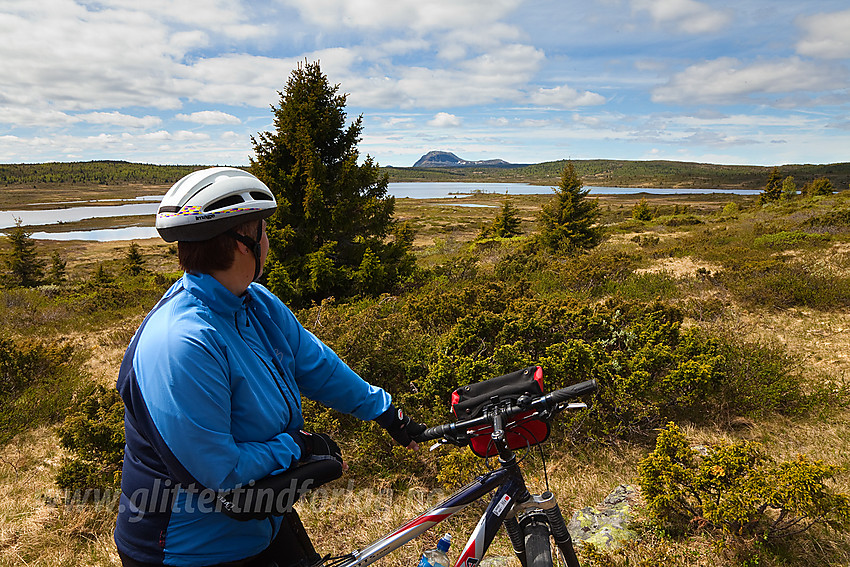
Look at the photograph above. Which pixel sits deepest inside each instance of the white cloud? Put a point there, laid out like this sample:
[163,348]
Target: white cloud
[565,97]
[413,14]
[397,122]
[235,79]
[119,119]
[826,35]
[61,53]
[535,123]
[227,18]
[46,116]
[181,135]
[209,117]
[727,80]
[498,75]
[445,120]
[459,53]
[688,15]
[29,117]
[123,53]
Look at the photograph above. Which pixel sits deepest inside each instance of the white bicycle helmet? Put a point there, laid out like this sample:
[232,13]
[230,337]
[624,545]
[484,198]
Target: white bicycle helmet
[211,201]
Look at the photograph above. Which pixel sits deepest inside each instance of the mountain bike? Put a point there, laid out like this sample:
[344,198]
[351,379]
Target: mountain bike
[501,415]
[502,424]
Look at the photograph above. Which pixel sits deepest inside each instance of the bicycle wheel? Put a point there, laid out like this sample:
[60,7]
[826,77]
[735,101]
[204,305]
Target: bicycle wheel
[538,548]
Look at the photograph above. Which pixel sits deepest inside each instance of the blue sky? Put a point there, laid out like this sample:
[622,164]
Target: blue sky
[187,81]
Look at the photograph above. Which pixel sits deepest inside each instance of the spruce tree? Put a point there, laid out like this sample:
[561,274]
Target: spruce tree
[568,221]
[507,222]
[773,188]
[820,186]
[57,268]
[25,269]
[134,261]
[101,276]
[789,188]
[334,218]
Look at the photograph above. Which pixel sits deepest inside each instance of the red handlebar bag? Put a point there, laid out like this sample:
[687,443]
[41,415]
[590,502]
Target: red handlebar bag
[521,431]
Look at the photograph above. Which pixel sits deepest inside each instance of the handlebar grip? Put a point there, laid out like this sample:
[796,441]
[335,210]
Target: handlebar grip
[435,432]
[573,391]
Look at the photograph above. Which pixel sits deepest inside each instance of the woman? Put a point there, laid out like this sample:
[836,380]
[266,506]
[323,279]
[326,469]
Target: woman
[212,385]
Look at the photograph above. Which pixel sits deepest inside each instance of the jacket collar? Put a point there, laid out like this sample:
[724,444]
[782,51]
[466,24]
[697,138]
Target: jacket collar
[213,294]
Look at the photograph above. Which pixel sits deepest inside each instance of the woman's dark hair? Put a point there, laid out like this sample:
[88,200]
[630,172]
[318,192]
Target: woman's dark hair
[214,254]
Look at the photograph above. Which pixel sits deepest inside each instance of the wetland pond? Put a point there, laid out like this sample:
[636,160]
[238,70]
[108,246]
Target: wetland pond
[50,221]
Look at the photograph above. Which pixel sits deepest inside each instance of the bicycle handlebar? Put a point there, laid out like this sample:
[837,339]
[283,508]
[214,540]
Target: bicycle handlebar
[570,392]
[546,403]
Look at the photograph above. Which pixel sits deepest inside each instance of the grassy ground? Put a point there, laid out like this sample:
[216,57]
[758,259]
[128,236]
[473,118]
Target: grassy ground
[676,261]
[47,196]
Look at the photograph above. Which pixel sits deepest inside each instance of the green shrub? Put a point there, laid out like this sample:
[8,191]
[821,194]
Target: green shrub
[593,273]
[831,221]
[683,220]
[788,239]
[647,286]
[646,241]
[641,211]
[731,209]
[738,489]
[774,283]
[820,186]
[95,437]
[423,347]
[38,381]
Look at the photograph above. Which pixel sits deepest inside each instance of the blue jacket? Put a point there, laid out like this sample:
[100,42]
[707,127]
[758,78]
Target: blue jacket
[212,388]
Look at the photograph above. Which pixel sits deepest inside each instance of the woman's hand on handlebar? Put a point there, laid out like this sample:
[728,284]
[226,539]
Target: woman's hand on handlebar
[400,427]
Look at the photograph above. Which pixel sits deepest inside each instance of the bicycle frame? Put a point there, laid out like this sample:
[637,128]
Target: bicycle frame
[510,484]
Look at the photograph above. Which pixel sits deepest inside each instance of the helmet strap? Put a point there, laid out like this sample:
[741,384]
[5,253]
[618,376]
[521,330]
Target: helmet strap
[253,245]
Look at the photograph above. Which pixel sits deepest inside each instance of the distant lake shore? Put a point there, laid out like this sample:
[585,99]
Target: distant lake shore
[80,210]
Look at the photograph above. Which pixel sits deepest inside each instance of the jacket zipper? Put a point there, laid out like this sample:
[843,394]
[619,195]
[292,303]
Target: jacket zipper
[271,372]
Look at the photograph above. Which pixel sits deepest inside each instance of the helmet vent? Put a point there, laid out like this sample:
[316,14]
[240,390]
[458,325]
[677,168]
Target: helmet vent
[259,196]
[225,202]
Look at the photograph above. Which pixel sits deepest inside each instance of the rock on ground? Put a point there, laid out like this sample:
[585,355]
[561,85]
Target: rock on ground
[607,525]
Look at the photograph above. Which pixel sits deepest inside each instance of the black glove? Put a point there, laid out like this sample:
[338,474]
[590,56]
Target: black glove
[399,426]
[316,447]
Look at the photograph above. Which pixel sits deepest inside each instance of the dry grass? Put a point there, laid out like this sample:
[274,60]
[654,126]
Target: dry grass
[821,339]
[35,529]
[678,267]
[106,348]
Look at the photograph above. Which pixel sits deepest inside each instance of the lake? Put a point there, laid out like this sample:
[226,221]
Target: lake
[147,205]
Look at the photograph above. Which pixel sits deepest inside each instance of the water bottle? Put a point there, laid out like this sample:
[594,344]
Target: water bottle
[437,557]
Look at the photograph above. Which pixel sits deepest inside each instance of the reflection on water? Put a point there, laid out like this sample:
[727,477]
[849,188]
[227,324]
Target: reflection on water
[147,205]
[101,235]
[74,214]
[443,189]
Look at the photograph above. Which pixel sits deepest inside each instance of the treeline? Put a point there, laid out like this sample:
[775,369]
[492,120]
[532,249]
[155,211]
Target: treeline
[602,172]
[623,173]
[92,173]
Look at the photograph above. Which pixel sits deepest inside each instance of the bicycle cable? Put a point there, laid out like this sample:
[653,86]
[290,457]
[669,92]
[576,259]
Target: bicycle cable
[328,561]
[545,471]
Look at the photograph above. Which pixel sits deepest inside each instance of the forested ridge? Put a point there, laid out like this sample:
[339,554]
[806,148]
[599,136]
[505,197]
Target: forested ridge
[627,173]
[92,173]
[601,172]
